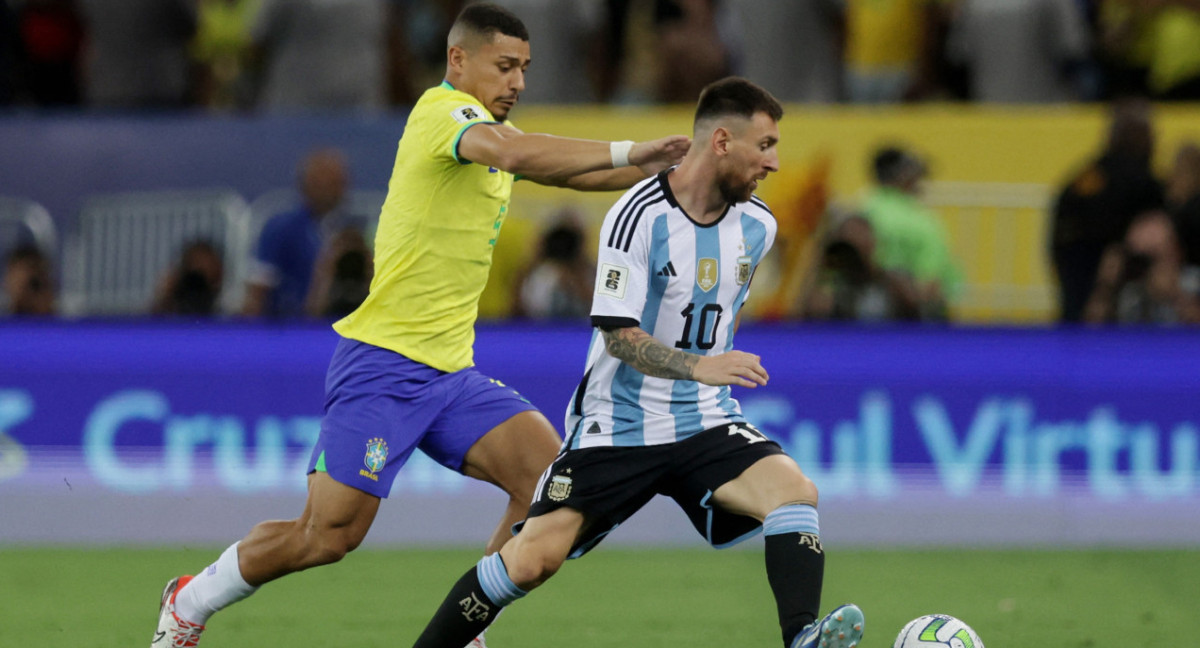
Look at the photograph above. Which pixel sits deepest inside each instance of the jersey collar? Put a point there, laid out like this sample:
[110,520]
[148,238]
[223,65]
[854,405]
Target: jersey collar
[670,196]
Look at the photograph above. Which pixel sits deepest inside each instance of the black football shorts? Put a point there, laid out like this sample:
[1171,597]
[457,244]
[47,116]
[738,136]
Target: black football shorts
[610,484]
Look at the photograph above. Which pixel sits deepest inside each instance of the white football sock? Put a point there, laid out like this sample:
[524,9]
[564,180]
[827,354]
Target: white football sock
[218,586]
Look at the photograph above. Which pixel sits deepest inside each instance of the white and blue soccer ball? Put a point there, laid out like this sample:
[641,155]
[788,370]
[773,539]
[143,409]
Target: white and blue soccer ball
[937,631]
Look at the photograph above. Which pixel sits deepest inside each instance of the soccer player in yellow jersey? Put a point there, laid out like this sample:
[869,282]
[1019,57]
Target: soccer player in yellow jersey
[402,376]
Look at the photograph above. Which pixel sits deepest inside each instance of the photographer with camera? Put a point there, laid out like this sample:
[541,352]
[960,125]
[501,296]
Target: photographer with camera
[851,286]
[1143,280]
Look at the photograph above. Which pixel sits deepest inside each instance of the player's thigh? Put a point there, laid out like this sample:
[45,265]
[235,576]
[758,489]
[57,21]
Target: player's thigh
[514,454]
[488,431]
[606,485]
[769,483]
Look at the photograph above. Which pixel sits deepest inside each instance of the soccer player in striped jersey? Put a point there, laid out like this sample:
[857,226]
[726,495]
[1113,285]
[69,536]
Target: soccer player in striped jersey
[402,376]
[654,414]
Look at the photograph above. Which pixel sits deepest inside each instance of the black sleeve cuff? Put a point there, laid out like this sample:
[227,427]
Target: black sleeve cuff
[607,323]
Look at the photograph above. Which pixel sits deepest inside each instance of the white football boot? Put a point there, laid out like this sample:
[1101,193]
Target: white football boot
[172,631]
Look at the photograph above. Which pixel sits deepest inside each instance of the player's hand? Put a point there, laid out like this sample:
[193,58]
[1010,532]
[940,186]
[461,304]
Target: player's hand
[656,155]
[731,368]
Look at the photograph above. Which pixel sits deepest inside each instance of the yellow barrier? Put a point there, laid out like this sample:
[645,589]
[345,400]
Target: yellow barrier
[1008,160]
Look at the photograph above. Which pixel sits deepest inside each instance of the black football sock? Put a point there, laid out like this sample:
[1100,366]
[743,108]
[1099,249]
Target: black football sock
[795,567]
[471,605]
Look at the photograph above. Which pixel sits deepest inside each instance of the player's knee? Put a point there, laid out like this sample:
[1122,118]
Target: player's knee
[800,490]
[807,489]
[328,546]
[534,566]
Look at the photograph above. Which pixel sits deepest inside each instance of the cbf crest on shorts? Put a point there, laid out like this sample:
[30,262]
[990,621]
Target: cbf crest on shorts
[560,488]
[375,459]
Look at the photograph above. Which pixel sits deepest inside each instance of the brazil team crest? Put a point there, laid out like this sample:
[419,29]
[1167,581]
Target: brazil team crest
[560,488]
[375,459]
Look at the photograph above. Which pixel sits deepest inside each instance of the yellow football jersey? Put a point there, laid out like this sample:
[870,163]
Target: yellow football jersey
[437,230]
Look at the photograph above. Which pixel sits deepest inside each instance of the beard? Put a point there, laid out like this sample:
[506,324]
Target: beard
[734,191]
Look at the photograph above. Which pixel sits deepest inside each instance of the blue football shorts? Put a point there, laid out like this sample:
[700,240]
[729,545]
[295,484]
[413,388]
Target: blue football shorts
[381,405]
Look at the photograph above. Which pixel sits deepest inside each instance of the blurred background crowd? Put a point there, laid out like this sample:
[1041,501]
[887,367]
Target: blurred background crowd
[280,55]
[1121,234]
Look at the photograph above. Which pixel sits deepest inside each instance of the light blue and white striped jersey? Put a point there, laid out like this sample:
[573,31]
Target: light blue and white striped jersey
[682,283]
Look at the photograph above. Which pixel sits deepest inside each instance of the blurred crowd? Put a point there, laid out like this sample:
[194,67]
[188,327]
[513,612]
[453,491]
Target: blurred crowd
[1123,245]
[1123,242]
[281,55]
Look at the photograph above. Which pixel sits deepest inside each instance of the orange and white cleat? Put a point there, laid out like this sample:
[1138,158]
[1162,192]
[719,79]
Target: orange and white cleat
[172,631]
[842,628]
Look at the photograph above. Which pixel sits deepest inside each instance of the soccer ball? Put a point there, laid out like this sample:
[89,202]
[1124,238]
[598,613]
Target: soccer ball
[937,631]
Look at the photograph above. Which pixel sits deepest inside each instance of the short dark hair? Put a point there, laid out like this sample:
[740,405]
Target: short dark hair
[736,96]
[891,164]
[25,253]
[490,19]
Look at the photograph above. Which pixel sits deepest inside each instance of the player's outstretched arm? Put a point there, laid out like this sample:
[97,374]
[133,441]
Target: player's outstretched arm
[648,159]
[564,161]
[638,349]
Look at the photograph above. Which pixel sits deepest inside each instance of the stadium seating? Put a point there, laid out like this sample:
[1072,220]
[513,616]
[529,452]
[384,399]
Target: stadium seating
[121,244]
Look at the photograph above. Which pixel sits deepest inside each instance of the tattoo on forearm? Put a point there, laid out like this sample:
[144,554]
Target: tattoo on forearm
[640,350]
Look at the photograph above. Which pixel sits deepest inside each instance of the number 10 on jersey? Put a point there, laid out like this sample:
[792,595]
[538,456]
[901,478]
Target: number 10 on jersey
[705,324]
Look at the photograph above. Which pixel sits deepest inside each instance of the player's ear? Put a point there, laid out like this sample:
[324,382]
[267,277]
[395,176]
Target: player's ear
[720,139]
[456,57]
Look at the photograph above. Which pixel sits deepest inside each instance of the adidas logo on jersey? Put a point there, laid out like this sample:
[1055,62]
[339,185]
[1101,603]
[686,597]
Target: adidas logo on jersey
[667,270]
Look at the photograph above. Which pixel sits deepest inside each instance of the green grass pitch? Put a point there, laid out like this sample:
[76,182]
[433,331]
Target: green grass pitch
[618,597]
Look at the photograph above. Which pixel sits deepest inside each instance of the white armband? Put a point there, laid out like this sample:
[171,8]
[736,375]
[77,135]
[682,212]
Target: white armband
[620,153]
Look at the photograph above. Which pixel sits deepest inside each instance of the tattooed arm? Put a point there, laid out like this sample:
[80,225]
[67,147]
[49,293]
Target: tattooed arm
[640,350]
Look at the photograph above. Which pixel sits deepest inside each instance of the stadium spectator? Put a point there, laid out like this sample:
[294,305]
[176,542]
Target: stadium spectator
[1144,280]
[222,53]
[1021,51]
[52,38]
[648,49]
[1094,209]
[652,415]
[684,67]
[290,242]
[884,41]
[909,237]
[28,282]
[558,283]
[193,286]
[1150,46]
[317,55]
[1183,200]
[342,276]
[793,48]
[850,285]
[417,31]
[9,37]
[136,55]
[565,32]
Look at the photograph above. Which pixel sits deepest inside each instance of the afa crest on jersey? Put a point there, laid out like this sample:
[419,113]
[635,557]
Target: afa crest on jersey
[376,457]
[743,270]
